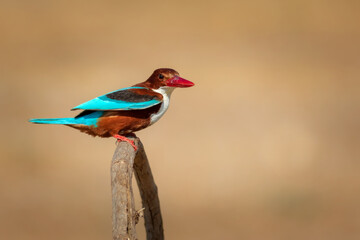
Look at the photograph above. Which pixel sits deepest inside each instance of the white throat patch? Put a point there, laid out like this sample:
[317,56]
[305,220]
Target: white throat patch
[166,93]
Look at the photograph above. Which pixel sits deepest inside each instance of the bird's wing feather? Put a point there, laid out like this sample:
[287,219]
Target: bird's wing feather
[132,98]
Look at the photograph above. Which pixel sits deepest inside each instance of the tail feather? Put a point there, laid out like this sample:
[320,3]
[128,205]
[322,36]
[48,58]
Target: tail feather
[88,118]
[54,120]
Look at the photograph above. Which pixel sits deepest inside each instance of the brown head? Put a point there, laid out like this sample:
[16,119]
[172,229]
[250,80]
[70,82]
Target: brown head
[165,77]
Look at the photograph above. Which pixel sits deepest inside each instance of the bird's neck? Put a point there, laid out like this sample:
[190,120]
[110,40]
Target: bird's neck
[166,93]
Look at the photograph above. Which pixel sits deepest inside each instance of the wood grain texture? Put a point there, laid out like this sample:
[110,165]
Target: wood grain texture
[123,207]
[149,195]
[124,162]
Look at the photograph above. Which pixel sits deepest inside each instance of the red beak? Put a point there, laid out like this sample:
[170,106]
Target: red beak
[179,82]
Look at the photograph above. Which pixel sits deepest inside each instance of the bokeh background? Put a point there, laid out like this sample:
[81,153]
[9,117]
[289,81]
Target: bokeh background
[265,146]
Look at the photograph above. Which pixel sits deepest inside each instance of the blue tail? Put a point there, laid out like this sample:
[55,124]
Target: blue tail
[88,118]
[54,120]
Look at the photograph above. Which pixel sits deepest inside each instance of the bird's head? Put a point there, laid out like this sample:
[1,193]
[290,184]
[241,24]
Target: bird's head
[166,77]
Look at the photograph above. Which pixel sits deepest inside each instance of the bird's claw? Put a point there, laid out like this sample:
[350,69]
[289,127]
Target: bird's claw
[125,139]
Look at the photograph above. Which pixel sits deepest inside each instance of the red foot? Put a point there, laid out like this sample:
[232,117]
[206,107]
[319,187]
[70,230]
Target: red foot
[125,139]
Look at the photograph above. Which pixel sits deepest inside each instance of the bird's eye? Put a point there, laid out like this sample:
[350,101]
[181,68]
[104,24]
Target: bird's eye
[161,76]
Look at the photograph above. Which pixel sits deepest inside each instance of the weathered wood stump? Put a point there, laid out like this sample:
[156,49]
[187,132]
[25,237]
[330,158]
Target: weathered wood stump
[124,216]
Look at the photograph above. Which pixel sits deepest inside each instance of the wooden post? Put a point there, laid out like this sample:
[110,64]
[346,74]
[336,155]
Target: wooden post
[124,161]
[123,207]
[149,195]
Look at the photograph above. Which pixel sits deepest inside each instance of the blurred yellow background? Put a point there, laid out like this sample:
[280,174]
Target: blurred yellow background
[265,146]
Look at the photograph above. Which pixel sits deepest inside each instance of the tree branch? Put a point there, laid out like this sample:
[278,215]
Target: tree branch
[124,161]
[123,207]
[149,195]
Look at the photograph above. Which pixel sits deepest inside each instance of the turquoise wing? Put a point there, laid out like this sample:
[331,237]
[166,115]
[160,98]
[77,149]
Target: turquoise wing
[122,99]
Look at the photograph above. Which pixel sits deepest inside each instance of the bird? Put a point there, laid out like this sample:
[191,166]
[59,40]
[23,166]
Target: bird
[122,112]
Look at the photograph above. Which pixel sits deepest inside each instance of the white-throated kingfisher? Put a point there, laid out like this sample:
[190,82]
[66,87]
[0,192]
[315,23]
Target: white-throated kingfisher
[126,110]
